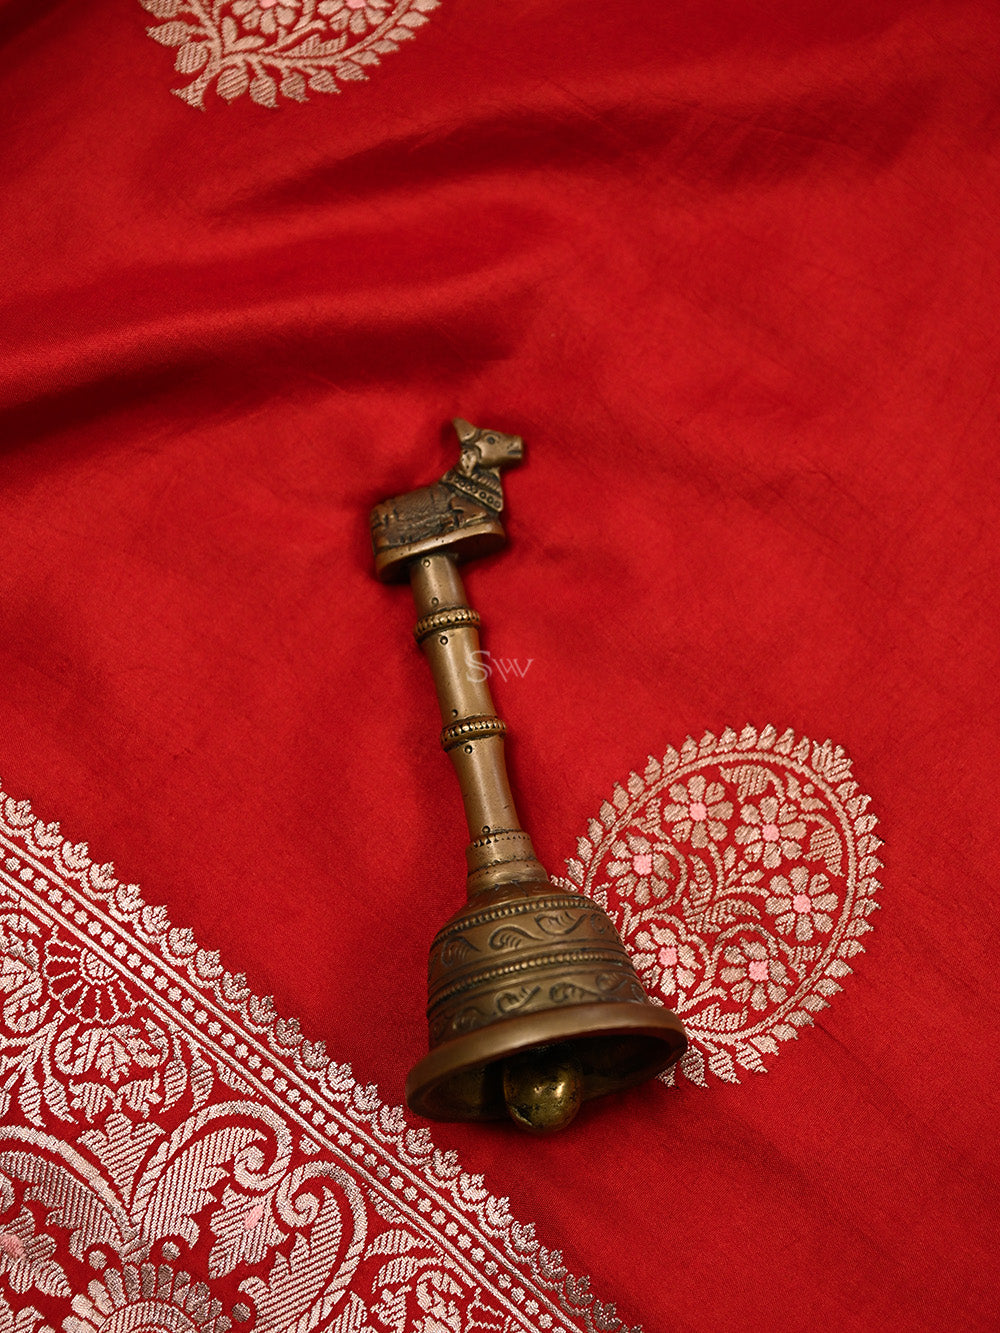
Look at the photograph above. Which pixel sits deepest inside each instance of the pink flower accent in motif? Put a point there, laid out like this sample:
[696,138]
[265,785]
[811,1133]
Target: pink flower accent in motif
[753,975]
[641,868]
[697,811]
[770,832]
[801,905]
[667,962]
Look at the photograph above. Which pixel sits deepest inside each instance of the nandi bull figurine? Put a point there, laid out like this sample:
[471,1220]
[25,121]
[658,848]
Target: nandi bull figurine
[459,513]
[533,1003]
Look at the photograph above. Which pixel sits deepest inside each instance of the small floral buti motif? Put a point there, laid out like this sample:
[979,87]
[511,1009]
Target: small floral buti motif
[802,904]
[770,832]
[740,872]
[668,962]
[643,866]
[754,974]
[280,50]
[697,812]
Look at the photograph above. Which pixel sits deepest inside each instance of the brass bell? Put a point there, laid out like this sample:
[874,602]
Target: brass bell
[534,1006]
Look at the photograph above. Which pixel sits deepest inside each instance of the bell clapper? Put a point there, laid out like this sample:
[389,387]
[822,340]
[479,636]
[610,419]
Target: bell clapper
[543,1088]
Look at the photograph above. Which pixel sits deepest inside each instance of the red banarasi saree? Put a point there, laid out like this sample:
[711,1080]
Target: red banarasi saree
[730,269]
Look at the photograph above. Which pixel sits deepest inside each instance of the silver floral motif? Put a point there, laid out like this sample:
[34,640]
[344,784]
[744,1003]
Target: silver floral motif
[642,865]
[276,50]
[771,832]
[356,15]
[740,871]
[698,811]
[754,975]
[801,904]
[83,985]
[667,962]
[266,16]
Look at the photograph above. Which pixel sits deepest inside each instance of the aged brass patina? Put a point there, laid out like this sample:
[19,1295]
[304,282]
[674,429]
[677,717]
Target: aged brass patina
[534,1006]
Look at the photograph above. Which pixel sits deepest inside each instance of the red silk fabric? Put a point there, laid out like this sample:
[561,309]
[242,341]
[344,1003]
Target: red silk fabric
[731,270]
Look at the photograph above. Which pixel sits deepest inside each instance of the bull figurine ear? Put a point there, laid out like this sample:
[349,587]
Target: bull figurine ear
[466,431]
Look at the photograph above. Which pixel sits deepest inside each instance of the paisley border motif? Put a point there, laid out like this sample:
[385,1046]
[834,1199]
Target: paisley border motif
[280,50]
[723,1050]
[369,1146]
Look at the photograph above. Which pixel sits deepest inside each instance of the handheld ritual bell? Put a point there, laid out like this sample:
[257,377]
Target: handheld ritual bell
[534,1006]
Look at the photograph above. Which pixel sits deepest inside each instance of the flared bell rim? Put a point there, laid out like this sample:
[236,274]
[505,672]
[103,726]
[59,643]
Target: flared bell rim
[619,1045]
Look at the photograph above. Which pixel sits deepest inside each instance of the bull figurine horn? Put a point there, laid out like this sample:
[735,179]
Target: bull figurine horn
[465,429]
[533,1006]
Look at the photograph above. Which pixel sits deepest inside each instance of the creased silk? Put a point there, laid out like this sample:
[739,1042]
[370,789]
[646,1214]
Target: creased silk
[731,271]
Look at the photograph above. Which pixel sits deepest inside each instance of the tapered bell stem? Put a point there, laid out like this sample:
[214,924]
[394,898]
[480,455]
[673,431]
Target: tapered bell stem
[542,1089]
[473,733]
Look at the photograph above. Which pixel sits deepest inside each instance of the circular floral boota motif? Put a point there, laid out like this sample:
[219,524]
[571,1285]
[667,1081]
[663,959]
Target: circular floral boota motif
[277,50]
[740,872]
